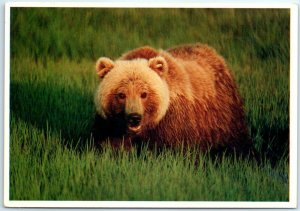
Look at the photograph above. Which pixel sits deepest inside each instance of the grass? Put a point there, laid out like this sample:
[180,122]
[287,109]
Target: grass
[53,171]
[53,52]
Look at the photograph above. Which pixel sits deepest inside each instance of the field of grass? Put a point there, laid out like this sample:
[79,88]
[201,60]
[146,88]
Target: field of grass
[53,52]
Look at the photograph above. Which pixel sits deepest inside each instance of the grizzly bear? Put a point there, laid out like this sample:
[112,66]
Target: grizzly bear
[182,96]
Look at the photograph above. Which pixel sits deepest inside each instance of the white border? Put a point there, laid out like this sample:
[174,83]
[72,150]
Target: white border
[148,5]
[161,204]
[149,204]
[293,103]
[6,103]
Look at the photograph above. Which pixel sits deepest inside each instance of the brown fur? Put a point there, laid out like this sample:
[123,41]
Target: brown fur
[204,107]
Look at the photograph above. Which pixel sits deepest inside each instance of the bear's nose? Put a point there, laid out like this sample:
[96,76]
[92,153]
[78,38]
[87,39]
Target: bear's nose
[134,119]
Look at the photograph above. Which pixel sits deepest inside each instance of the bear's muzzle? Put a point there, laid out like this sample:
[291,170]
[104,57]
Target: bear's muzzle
[134,122]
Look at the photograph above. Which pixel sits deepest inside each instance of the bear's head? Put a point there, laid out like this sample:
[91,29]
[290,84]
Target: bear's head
[134,93]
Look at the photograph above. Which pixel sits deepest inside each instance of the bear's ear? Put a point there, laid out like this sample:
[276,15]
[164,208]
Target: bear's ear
[159,65]
[103,66]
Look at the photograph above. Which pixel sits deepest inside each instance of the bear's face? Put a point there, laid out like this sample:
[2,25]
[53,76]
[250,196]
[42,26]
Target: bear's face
[133,93]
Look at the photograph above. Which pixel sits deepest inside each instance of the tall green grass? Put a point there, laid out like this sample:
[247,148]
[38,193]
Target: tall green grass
[52,171]
[53,52]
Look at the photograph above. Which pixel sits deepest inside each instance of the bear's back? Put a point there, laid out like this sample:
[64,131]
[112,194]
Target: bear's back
[220,113]
[202,54]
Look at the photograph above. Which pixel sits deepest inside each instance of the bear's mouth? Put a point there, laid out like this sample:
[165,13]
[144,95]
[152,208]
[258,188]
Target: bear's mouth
[134,121]
[134,129]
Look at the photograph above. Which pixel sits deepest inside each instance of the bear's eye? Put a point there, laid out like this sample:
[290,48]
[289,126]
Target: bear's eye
[121,96]
[144,95]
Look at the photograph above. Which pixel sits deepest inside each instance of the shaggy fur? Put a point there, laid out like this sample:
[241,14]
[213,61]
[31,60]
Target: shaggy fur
[192,99]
